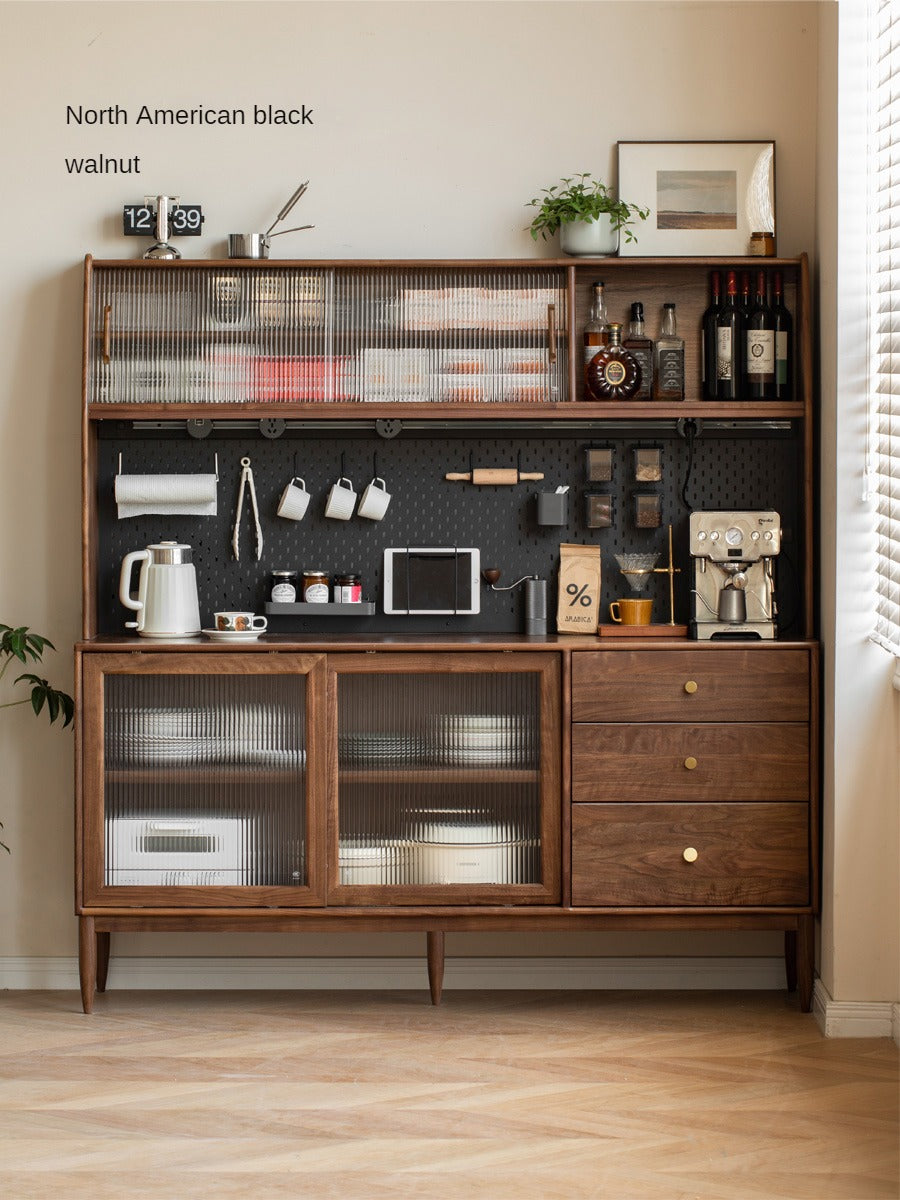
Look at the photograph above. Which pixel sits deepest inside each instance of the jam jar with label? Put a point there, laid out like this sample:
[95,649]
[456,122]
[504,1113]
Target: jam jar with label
[315,587]
[347,589]
[283,587]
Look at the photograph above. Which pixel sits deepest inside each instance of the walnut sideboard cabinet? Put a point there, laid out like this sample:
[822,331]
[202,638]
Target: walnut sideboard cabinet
[516,783]
[382,774]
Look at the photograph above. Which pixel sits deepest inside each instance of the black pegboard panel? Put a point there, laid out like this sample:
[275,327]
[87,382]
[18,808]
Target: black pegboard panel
[427,510]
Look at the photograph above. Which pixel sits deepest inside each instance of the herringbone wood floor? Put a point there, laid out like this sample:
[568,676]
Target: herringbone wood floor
[501,1096]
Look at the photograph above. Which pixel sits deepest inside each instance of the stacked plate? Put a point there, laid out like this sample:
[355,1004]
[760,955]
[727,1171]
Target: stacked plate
[191,736]
[487,740]
[379,749]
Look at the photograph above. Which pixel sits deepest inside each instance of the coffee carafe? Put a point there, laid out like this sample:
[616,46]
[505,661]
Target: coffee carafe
[733,588]
[166,603]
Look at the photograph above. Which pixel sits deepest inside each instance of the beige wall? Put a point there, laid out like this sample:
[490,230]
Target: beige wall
[433,124]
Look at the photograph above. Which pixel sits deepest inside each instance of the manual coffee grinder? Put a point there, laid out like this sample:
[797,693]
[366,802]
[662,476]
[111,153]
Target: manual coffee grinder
[733,591]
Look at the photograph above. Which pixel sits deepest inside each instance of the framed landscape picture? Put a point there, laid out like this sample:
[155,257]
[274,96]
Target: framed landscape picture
[705,198]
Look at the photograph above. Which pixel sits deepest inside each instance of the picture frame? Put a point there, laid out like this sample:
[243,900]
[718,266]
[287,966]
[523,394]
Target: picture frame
[705,198]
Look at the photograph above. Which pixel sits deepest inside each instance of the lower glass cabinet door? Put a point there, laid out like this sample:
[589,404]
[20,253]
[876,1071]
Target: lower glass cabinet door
[205,777]
[442,779]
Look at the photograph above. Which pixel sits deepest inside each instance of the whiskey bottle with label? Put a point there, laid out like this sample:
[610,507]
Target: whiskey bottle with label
[638,344]
[613,373]
[596,329]
[669,359]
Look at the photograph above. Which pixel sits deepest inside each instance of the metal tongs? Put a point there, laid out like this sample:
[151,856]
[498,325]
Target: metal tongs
[246,482]
[284,212]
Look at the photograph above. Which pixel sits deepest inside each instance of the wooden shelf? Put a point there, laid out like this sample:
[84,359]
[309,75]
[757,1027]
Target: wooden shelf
[439,775]
[774,410]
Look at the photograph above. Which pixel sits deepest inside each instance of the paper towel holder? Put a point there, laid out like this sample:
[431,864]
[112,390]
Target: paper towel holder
[119,472]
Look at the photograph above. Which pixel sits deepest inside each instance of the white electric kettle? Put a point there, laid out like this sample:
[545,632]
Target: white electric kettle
[166,603]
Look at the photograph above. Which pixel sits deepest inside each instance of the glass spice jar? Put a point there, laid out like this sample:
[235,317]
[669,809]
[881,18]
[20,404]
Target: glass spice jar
[283,587]
[315,587]
[347,589]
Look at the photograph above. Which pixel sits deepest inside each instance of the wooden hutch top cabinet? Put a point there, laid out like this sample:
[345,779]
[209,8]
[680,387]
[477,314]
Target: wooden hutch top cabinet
[451,776]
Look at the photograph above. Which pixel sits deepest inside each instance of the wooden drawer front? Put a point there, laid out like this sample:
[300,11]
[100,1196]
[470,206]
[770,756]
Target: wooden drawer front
[690,685]
[651,763]
[633,855]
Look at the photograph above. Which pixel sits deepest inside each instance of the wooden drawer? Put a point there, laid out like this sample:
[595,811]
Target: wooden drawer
[652,763]
[633,855]
[733,684]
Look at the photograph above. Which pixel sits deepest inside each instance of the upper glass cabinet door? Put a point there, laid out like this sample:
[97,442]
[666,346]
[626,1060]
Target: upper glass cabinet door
[182,334]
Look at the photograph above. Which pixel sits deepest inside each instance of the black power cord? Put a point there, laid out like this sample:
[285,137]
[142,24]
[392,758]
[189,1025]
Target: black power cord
[690,430]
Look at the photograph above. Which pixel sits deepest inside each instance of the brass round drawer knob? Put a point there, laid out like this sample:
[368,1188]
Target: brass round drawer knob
[690,762]
[689,854]
[690,687]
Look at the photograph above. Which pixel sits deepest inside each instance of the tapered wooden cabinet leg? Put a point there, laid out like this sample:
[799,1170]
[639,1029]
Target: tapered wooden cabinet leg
[435,965]
[87,961]
[790,959]
[806,950]
[102,960]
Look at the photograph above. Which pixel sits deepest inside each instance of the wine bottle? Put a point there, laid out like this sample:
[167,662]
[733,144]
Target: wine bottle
[708,338]
[759,347]
[669,355]
[729,331]
[784,342]
[638,344]
[744,301]
[613,373]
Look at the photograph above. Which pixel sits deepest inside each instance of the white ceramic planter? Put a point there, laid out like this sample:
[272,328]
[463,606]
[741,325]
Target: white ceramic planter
[589,238]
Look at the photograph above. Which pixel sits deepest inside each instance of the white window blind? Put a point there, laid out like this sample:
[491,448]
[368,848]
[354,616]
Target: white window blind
[884,451]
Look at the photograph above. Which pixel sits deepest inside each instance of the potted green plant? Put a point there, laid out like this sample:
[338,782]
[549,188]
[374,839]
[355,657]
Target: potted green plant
[21,645]
[587,215]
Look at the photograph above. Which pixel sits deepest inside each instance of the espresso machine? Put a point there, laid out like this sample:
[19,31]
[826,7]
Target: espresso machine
[733,588]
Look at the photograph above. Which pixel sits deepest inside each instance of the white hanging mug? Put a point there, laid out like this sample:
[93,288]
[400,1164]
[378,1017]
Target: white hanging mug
[341,500]
[294,500]
[374,501]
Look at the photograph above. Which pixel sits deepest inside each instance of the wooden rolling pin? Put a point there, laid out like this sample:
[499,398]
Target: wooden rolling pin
[488,475]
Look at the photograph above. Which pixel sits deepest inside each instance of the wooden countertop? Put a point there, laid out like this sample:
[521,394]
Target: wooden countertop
[269,643]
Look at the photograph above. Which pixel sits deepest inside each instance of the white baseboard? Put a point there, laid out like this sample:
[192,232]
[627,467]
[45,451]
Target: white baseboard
[855,1018]
[386,974]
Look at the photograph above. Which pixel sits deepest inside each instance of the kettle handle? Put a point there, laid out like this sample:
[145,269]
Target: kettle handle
[125,586]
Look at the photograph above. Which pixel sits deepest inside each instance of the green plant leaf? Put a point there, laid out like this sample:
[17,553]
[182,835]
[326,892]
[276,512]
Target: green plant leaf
[56,701]
[581,198]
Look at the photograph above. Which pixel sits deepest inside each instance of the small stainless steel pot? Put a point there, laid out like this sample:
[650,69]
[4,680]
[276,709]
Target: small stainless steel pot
[248,245]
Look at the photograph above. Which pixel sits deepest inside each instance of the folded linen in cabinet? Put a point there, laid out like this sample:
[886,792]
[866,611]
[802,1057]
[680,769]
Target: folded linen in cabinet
[172,495]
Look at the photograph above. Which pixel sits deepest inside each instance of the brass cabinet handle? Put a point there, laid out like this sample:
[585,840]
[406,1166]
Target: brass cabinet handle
[689,854]
[690,687]
[690,763]
[107,320]
[551,332]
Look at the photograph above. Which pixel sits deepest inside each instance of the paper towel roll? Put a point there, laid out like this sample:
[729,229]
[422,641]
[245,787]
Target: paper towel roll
[175,495]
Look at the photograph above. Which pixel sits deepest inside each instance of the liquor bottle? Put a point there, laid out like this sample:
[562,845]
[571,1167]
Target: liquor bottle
[708,338]
[784,343]
[759,347]
[638,344]
[613,373]
[669,359]
[596,334]
[729,332]
[744,301]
